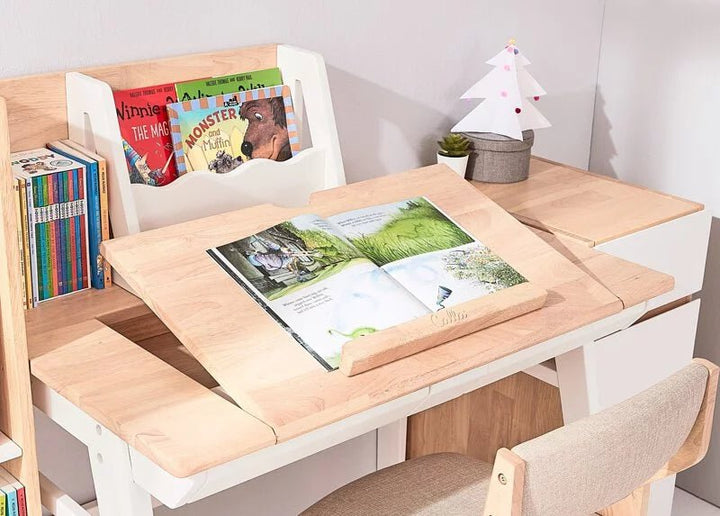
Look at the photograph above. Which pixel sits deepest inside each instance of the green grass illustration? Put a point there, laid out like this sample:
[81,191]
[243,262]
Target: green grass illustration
[418,228]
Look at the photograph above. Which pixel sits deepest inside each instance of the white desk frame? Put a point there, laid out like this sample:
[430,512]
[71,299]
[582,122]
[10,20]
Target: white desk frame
[126,482]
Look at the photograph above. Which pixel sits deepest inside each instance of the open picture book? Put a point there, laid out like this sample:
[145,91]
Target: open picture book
[331,280]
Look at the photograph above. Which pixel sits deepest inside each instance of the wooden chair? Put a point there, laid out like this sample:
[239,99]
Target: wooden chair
[602,463]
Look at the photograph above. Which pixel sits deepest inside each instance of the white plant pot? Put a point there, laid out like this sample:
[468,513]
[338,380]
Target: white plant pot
[459,165]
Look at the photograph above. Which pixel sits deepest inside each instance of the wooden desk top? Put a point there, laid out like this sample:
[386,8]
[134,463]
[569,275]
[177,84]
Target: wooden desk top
[588,207]
[155,408]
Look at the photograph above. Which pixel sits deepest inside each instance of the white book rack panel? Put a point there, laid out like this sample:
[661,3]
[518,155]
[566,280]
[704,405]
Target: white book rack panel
[8,449]
[92,121]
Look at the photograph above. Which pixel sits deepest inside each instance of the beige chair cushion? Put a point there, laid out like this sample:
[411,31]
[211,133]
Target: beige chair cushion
[440,484]
[592,463]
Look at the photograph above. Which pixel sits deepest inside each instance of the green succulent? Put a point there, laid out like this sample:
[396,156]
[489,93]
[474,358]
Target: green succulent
[454,145]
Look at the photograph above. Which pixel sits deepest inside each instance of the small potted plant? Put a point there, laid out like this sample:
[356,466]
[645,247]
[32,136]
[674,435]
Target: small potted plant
[454,152]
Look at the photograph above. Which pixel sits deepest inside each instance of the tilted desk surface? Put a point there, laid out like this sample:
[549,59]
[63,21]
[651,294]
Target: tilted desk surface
[173,419]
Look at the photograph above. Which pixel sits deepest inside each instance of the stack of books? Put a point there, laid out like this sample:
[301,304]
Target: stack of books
[12,495]
[62,210]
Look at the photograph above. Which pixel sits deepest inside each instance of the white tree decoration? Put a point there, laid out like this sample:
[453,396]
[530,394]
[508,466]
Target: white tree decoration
[507,90]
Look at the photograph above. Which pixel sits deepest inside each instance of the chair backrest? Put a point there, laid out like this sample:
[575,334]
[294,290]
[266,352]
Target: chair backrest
[592,463]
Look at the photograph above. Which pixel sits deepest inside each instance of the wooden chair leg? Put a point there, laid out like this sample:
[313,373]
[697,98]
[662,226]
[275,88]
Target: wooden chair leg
[634,505]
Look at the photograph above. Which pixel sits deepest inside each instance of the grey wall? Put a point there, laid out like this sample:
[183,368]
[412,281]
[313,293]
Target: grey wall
[396,70]
[656,124]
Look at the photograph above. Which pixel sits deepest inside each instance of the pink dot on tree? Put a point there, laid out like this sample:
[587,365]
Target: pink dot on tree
[503,93]
[507,68]
[518,110]
[536,97]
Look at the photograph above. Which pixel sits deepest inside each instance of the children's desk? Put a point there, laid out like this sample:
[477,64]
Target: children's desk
[117,379]
[156,425]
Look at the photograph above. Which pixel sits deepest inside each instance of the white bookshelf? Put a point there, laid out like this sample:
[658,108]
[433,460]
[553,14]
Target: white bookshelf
[8,449]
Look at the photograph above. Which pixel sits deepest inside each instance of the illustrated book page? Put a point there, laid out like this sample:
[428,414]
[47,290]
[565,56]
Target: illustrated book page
[317,285]
[426,252]
[328,281]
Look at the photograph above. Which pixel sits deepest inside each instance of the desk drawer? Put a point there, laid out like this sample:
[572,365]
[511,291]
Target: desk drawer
[643,354]
[677,247]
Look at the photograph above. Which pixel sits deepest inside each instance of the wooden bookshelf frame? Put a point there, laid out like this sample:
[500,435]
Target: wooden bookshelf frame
[16,412]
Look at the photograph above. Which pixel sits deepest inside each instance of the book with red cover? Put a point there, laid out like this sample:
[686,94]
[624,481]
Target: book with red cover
[145,132]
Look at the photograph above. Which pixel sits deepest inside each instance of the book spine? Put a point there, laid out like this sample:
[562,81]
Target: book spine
[62,213]
[72,244]
[104,216]
[61,205]
[67,250]
[52,229]
[78,231]
[22,502]
[21,241]
[84,237]
[3,504]
[97,276]
[32,242]
[39,237]
[26,241]
[11,504]
[47,239]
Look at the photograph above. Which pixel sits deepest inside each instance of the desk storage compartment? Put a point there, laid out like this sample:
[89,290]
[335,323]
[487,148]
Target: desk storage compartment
[667,341]
[677,247]
[92,121]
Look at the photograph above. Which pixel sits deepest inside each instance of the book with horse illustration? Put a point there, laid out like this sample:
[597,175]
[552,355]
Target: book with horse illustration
[330,280]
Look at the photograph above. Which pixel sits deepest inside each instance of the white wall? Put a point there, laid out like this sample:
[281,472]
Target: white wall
[396,70]
[656,124]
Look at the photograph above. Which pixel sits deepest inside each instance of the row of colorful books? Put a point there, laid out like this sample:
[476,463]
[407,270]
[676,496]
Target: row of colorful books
[62,213]
[211,124]
[12,496]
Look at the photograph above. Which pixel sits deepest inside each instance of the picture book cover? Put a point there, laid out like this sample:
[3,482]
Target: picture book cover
[38,162]
[145,133]
[222,132]
[213,86]
[330,280]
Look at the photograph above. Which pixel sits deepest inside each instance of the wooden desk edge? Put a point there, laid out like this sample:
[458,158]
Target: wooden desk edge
[692,207]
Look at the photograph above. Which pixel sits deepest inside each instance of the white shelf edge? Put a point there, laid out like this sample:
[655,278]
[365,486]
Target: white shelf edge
[8,449]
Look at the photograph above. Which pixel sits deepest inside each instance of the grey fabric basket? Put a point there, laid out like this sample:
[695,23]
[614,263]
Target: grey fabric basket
[499,159]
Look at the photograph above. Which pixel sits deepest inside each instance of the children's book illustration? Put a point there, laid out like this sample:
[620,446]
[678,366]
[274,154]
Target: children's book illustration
[220,133]
[145,133]
[328,281]
[213,86]
[426,252]
[322,288]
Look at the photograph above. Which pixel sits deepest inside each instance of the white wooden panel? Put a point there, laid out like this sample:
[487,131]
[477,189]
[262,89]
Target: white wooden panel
[678,247]
[8,449]
[203,193]
[545,372]
[616,367]
[92,121]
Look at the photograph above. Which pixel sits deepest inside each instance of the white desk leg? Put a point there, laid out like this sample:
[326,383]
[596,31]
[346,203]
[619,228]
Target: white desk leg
[391,441]
[117,494]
